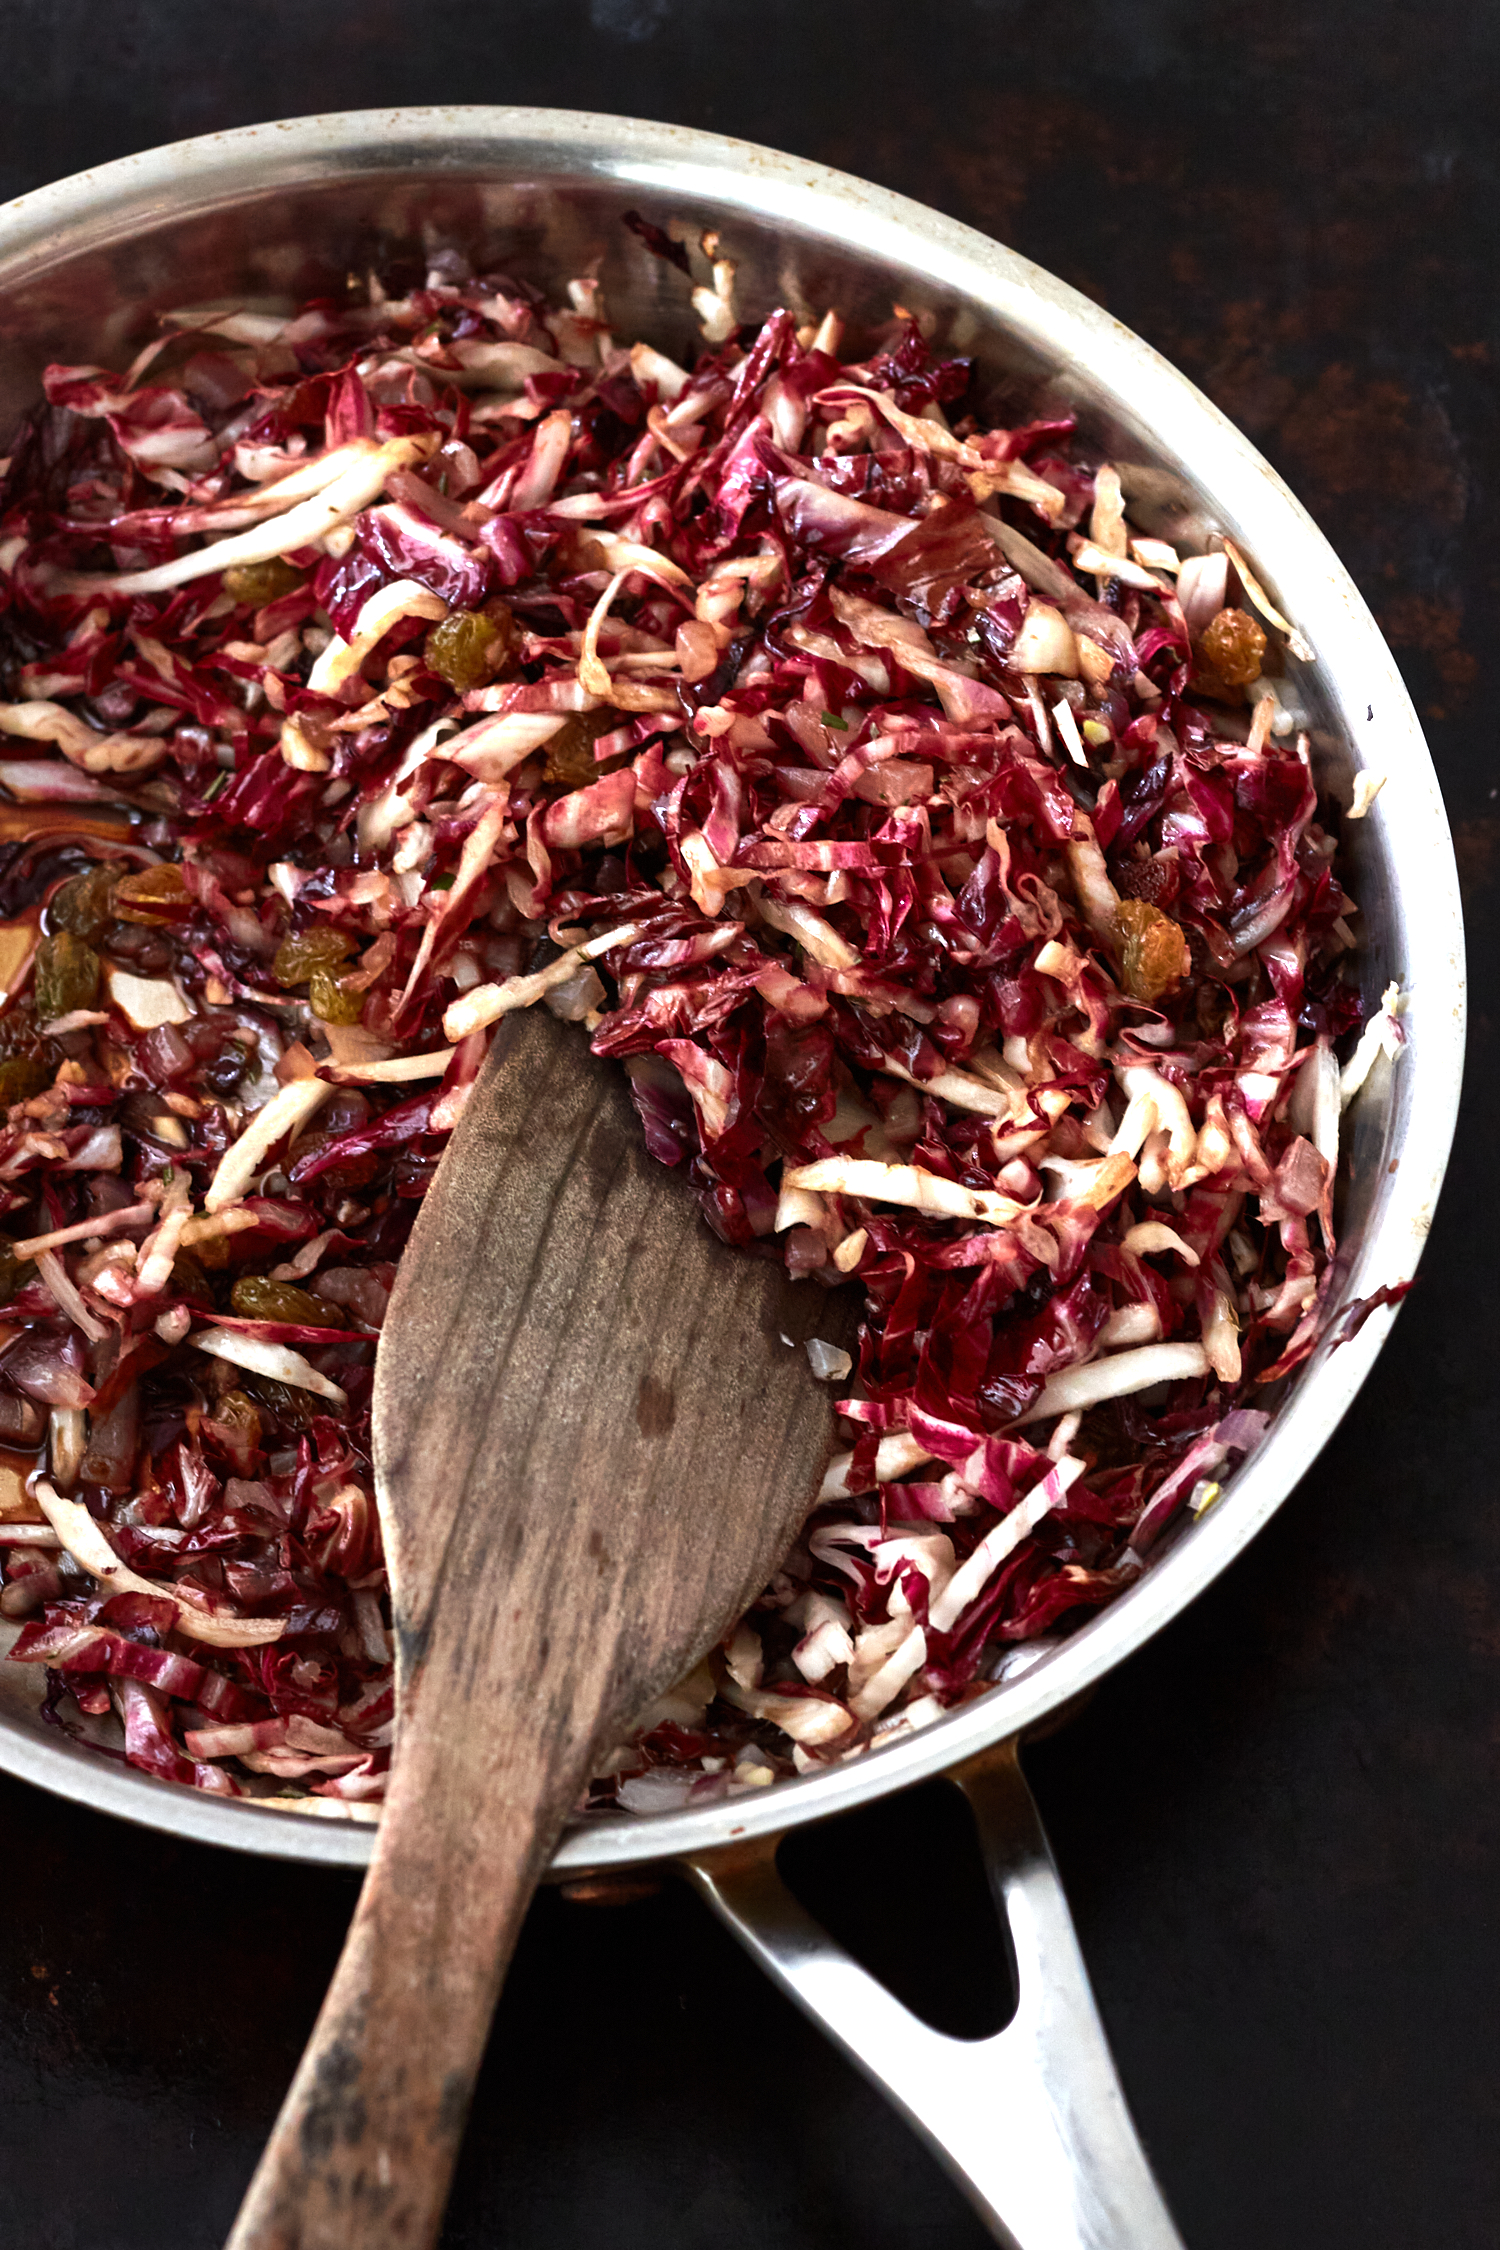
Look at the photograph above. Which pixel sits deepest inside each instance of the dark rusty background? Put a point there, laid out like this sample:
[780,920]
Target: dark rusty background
[1278,1825]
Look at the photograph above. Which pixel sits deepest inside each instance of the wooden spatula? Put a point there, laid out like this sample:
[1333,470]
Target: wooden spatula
[593,1442]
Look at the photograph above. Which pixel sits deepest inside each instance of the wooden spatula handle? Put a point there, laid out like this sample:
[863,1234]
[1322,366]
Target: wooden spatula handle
[362,2153]
[595,1432]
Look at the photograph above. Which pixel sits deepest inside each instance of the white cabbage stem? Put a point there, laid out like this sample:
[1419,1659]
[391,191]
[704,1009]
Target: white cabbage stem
[885,1683]
[488,1002]
[301,526]
[1313,1109]
[1138,1323]
[90,752]
[805,1718]
[1221,1338]
[1117,1377]
[795,1207]
[342,659]
[975,1572]
[85,1541]
[64,1293]
[815,935]
[1151,1238]
[962,1091]
[1095,892]
[286,1112]
[894,1456]
[1155,1105]
[823,1647]
[906,1184]
[1382,1034]
[278,1361]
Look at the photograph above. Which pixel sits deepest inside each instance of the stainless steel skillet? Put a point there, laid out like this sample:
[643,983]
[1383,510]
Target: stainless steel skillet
[1032,2122]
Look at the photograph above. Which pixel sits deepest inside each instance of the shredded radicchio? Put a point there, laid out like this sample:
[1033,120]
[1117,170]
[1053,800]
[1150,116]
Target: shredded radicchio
[924,843]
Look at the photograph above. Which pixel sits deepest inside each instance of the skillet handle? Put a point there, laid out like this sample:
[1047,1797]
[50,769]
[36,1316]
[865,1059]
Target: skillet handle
[1031,2123]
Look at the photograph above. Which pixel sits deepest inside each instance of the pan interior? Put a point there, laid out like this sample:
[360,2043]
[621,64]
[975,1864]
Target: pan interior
[275,214]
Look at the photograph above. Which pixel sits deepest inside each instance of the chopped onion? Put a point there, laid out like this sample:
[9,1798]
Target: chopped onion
[146,1002]
[827,1361]
[660,1789]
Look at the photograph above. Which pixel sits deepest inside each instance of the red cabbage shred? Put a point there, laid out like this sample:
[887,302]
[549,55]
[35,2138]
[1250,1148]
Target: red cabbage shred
[931,848]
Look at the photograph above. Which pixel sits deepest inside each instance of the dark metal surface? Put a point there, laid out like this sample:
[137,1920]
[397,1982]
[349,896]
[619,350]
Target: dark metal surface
[1278,1824]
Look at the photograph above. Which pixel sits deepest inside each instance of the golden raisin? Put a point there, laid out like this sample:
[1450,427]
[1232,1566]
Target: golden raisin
[570,752]
[470,646]
[236,1411]
[66,975]
[344,1175]
[331,1000]
[212,1253]
[189,1279]
[1154,952]
[1235,646]
[21,1076]
[86,905]
[1213,1009]
[14,1272]
[19,1034]
[255,1298]
[253,585]
[234,1428]
[320,947]
[28,1062]
[156,897]
[281,1403]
